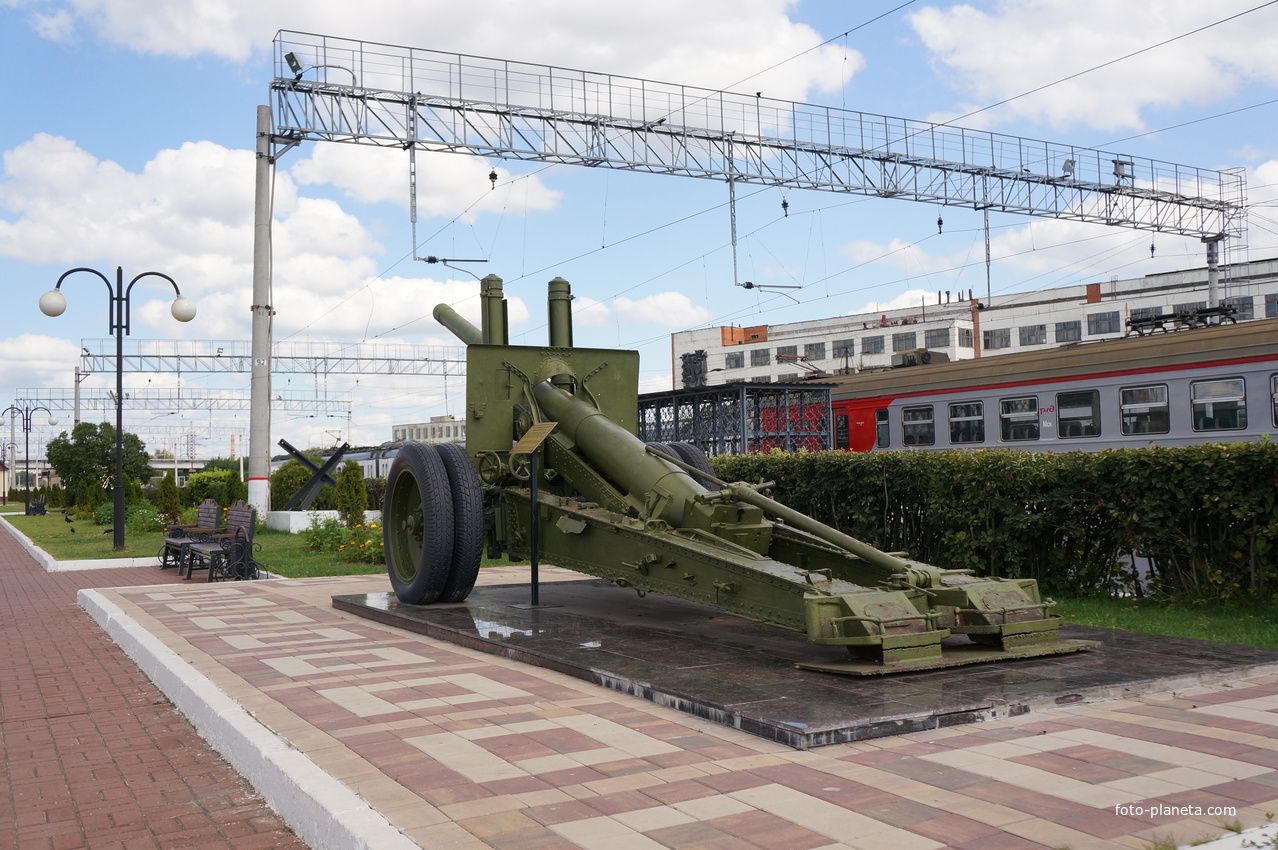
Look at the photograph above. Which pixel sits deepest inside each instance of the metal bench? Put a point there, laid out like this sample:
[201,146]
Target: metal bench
[180,537]
[228,553]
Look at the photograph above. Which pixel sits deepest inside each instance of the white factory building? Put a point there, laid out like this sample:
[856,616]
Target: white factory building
[959,328]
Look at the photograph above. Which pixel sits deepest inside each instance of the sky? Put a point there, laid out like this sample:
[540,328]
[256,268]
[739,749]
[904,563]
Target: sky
[128,132]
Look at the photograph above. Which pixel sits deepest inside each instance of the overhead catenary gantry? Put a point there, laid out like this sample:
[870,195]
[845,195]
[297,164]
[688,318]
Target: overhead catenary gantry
[299,357]
[367,93]
[172,399]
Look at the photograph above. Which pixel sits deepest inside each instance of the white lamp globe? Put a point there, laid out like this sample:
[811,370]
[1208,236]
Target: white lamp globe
[53,420]
[53,303]
[183,309]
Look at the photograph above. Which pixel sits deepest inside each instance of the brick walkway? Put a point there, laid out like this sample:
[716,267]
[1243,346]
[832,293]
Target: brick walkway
[93,754]
[444,747]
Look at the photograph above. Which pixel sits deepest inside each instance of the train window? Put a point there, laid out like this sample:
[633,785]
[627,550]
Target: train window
[1219,405]
[1078,414]
[841,438]
[917,426]
[1145,410]
[1019,418]
[882,436]
[967,422]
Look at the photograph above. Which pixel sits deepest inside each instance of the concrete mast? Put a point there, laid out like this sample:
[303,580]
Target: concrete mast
[259,467]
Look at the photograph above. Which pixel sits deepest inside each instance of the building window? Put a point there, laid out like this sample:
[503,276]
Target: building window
[936,338]
[1078,414]
[1146,312]
[1069,331]
[1271,305]
[906,341]
[761,357]
[844,347]
[882,435]
[787,377]
[1034,335]
[1103,323]
[996,338]
[967,422]
[1145,410]
[917,427]
[1019,418]
[814,351]
[872,345]
[787,351]
[965,337]
[1219,405]
[761,379]
[1244,306]
[1186,309]
[735,360]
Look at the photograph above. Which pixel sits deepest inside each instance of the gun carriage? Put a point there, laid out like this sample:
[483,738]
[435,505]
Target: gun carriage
[653,517]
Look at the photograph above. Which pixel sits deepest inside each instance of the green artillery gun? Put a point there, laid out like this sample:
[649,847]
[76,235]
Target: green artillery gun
[655,518]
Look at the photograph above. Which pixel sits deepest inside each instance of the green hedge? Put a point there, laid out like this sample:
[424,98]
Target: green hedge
[1205,516]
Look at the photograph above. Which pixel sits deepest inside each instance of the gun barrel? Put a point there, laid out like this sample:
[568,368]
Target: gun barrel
[462,329]
[621,455]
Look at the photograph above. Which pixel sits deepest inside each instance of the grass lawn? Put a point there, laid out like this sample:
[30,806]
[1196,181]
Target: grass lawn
[54,534]
[1251,623]
[281,553]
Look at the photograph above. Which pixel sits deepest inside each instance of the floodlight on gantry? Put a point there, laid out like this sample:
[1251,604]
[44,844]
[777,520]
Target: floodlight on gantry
[430,100]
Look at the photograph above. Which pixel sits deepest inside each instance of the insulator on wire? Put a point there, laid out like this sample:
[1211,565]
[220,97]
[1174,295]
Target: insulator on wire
[492,178]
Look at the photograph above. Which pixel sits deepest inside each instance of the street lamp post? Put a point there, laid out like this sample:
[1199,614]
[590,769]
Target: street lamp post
[27,411]
[53,303]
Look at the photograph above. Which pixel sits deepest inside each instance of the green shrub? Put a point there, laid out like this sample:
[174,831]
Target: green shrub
[357,543]
[289,478]
[143,518]
[1205,516]
[376,490]
[207,485]
[168,501]
[350,495]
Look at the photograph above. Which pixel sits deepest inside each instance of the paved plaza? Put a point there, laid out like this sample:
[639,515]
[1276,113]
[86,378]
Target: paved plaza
[362,735]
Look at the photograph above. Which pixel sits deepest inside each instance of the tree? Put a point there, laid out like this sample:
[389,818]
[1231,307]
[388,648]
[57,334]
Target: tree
[167,499]
[88,455]
[351,497]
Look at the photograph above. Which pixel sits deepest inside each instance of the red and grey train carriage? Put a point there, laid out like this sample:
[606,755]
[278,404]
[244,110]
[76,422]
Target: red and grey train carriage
[1214,384]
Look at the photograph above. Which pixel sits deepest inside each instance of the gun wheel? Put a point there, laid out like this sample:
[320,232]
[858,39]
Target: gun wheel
[417,527]
[468,522]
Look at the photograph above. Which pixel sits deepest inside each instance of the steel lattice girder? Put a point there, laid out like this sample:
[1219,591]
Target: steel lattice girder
[310,358]
[399,96]
[184,399]
[739,418]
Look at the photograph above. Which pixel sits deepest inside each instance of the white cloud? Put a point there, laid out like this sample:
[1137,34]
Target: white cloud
[445,183]
[1021,44]
[909,298]
[33,361]
[712,43]
[669,309]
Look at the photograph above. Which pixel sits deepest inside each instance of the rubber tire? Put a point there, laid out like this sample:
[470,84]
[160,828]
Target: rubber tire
[693,456]
[417,525]
[468,521]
